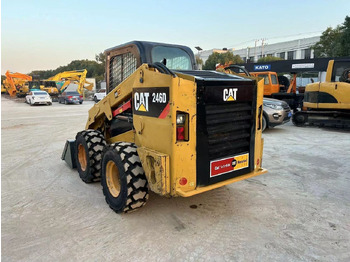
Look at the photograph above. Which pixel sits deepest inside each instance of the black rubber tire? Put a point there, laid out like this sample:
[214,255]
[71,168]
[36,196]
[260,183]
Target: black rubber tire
[299,119]
[95,99]
[80,102]
[264,124]
[30,102]
[93,143]
[133,183]
[49,104]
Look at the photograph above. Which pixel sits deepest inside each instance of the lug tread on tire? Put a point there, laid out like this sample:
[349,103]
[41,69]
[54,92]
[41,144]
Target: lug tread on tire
[137,185]
[95,142]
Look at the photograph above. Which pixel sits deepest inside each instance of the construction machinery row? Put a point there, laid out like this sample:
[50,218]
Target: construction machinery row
[326,102]
[17,84]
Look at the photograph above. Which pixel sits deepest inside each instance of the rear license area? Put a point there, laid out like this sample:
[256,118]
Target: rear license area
[229,164]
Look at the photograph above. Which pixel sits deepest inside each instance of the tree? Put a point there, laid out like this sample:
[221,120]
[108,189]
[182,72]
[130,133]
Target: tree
[269,59]
[222,58]
[329,45]
[101,58]
[345,37]
[94,69]
[334,42]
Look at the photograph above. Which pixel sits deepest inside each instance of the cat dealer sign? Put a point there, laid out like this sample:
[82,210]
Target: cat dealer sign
[229,164]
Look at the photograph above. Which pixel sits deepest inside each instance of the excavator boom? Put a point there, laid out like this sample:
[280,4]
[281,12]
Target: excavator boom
[76,76]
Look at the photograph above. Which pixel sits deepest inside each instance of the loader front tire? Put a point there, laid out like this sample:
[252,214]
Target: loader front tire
[123,180]
[89,147]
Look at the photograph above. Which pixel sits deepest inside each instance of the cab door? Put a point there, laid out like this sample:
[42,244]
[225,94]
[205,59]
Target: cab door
[334,94]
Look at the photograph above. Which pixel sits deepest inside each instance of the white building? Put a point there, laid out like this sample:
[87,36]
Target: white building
[289,50]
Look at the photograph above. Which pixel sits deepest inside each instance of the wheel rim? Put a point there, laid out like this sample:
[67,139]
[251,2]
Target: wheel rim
[82,157]
[112,178]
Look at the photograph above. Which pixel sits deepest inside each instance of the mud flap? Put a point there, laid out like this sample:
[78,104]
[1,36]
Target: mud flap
[68,154]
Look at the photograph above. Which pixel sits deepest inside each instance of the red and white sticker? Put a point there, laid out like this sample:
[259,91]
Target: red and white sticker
[229,164]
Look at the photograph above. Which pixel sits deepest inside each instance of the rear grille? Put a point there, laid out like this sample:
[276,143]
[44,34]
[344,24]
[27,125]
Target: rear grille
[229,128]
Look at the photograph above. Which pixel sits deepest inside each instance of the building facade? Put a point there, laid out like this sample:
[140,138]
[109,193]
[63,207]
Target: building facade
[289,50]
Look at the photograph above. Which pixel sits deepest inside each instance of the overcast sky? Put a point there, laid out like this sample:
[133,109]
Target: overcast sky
[40,35]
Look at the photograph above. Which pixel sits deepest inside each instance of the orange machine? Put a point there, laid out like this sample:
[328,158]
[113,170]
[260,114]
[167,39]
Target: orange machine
[14,83]
[272,85]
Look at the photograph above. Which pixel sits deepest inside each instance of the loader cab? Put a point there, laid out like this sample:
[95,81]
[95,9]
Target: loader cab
[123,60]
[34,85]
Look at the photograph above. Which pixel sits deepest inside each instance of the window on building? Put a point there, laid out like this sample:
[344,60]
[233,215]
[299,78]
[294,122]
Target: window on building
[269,55]
[282,55]
[244,59]
[251,59]
[307,53]
[290,55]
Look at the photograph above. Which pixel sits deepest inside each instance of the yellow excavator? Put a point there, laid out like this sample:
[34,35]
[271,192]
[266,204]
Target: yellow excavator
[15,83]
[168,127]
[328,102]
[50,87]
[76,77]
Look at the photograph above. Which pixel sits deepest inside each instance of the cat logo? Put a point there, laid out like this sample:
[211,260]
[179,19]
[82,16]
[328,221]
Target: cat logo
[141,101]
[230,94]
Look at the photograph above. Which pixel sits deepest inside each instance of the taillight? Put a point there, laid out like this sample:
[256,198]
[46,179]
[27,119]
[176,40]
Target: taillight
[183,181]
[69,97]
[182,127]
[180,133]
[81,97]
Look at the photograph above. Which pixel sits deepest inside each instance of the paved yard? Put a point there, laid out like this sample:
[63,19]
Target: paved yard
[298,211]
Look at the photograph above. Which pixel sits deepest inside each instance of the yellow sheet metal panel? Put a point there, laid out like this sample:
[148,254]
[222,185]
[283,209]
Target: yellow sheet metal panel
[125,137]
[183,160]
[199,190]
[258,132]
[156,167]
[159,134]
[329,71]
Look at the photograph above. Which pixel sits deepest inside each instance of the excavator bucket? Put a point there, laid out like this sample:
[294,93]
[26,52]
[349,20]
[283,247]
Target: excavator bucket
[68,154]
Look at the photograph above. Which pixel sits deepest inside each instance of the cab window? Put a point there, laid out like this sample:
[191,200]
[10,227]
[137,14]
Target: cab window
[274,80]
[175,58]
[338,69]
[266,79]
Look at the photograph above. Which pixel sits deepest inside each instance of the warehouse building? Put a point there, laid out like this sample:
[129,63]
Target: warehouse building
[289,50]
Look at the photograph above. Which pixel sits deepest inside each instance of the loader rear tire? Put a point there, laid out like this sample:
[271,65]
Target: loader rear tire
[123,180]
[89,147]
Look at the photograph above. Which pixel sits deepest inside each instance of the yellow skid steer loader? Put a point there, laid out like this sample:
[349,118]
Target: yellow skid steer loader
[167,127]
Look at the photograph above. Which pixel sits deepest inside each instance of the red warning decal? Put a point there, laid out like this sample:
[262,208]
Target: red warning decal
[226,165]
